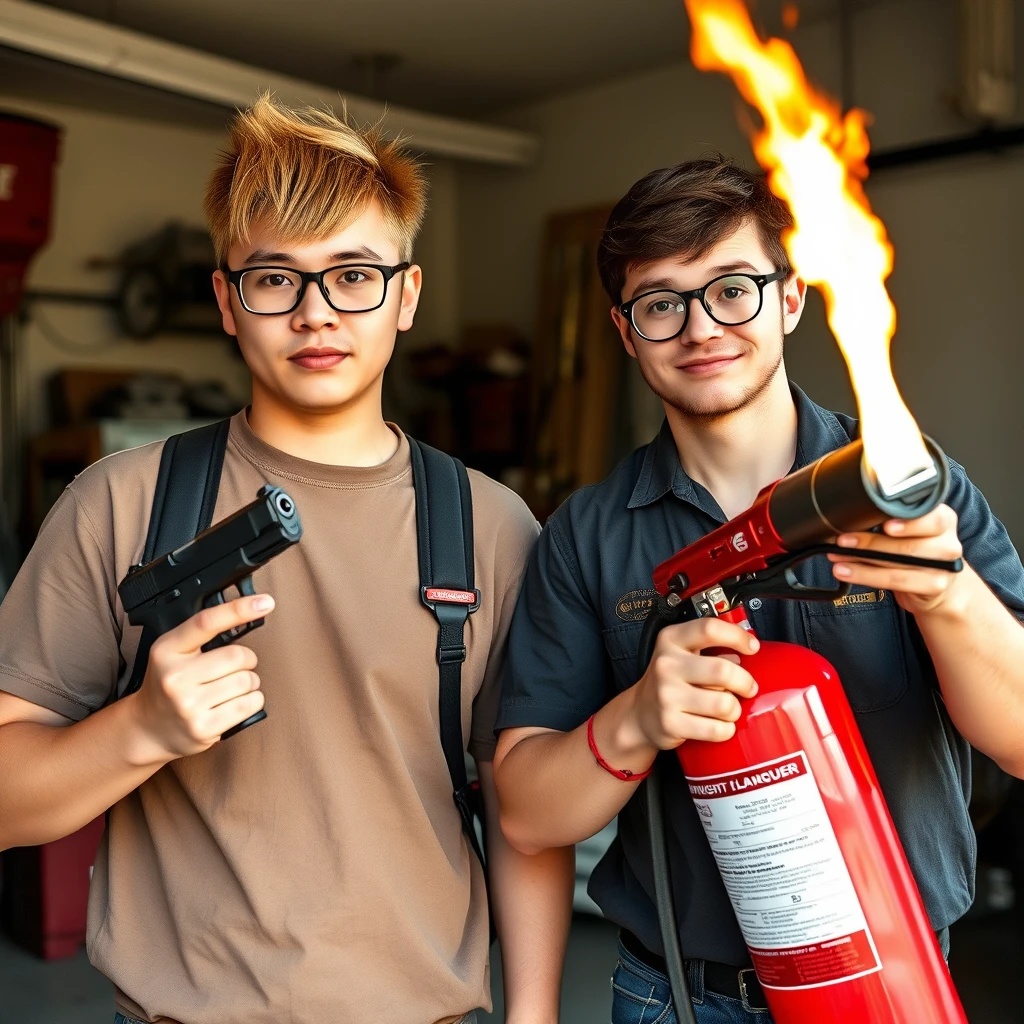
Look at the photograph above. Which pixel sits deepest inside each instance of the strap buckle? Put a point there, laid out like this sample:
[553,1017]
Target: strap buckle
[746,993]
[432,596]
[451,655]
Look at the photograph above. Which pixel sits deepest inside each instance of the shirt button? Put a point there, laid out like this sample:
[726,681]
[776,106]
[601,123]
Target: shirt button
[754,604]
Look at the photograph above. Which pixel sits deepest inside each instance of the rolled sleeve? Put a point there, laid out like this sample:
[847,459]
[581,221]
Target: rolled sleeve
[556,674]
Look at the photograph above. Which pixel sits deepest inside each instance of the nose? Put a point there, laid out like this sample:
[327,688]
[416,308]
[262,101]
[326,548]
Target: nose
[314,312]
[700,328]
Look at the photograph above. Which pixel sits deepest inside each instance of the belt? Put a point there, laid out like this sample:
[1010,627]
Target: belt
[722,979]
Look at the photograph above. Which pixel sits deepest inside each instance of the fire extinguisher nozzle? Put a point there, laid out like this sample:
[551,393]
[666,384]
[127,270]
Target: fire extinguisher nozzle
[838,493]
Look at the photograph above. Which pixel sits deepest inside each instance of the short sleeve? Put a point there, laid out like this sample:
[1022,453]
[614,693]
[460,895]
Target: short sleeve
[515,541]
[59,637]
[987,546]
[556,674]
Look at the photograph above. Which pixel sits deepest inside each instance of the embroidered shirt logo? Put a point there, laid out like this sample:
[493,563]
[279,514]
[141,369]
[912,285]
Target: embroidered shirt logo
[868,597]
[634,606]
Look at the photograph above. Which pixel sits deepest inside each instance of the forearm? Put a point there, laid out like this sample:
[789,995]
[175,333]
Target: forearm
[56,779]
[977,647]
[531,898]
[532,902]
[554,793]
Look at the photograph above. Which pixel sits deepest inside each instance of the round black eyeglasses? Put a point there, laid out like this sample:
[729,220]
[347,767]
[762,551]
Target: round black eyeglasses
[348,288]
[730,300]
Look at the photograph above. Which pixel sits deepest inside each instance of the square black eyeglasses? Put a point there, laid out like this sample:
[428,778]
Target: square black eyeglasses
[347,288]
[730,300]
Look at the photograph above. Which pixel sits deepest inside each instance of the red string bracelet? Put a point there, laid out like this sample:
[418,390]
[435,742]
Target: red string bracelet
[626,775]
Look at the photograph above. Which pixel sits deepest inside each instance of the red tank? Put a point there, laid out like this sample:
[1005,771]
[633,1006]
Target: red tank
[810,858]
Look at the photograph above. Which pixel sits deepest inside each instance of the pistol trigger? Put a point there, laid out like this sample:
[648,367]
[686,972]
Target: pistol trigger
[246,588]
[213,600]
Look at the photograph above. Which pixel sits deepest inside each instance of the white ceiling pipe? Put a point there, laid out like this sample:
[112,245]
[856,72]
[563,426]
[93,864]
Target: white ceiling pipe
[121,53]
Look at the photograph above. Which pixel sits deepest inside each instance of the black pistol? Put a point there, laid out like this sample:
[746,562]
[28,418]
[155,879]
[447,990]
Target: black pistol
[174,587]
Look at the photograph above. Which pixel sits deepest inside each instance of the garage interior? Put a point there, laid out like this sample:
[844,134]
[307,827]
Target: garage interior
[533,118]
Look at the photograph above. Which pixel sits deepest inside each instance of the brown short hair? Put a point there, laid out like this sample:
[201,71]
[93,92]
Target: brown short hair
[685,211]
[310,172]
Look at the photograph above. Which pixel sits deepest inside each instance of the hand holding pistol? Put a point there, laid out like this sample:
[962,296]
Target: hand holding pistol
[194,691]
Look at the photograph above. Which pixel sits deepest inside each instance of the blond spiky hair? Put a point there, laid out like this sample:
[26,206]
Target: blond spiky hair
[310,172]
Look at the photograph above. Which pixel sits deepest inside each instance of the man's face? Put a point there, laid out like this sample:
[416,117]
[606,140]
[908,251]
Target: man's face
[316,359]
[711,370]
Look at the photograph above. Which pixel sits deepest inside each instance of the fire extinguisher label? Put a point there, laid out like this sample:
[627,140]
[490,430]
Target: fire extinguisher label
[785,874]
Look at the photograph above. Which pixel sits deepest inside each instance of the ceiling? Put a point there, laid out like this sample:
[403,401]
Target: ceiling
[465,58]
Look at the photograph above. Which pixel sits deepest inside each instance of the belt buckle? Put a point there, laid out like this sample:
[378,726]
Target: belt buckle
[744,994]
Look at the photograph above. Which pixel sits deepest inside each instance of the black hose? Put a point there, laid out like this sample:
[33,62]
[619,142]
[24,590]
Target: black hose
[659,848]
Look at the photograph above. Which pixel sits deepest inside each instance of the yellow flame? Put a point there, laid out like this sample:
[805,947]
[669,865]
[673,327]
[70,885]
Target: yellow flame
[815,160]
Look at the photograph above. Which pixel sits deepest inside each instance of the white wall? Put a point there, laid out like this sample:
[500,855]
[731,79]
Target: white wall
[956,225]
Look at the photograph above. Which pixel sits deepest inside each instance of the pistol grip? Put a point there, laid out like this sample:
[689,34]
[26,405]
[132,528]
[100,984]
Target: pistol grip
[251,720]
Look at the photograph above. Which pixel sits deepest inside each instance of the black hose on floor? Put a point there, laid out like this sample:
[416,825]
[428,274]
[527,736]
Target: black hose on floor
[659,849]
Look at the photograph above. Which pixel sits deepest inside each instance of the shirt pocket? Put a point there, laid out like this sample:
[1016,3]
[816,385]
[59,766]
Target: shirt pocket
[862,641]
[621,643]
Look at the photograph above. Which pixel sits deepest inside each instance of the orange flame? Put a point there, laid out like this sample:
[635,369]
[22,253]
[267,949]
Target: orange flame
[815,160]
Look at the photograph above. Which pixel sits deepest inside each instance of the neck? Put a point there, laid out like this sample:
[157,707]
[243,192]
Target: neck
[736,455]
[354,434]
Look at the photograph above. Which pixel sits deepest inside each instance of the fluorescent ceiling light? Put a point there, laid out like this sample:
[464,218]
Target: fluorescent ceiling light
[121,53]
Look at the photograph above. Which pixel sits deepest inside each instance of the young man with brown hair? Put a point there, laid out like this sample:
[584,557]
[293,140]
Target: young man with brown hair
[703,296]
[312,868]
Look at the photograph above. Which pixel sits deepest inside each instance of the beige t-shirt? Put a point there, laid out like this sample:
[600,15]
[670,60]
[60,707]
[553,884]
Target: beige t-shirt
[311,868]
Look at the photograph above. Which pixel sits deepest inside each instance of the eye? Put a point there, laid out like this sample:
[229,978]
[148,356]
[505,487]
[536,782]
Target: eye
[274,280]
[663,306]
[353,277]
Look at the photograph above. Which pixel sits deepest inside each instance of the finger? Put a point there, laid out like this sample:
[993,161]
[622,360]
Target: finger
[229,714]
[718,704]
[719,674]
[941,519]
[209,666]
[860,545]
[696,727]
[920,582]
[693,637]
[677,672]
[215,694]
[190,636]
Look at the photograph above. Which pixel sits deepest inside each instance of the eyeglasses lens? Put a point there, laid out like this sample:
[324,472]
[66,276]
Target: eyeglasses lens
[277,289]
[661,316]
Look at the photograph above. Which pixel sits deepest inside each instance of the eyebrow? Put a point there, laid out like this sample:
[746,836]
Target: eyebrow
[265,256]
[649,284]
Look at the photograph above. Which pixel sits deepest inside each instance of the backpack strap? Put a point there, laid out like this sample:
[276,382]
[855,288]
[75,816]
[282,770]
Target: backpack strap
[444,541]
[180,508]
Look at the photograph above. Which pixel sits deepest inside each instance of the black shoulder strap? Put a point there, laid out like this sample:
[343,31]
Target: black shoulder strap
[180,508]
[444,540]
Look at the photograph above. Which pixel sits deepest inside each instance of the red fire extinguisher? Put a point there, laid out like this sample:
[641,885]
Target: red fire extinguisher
[791,807]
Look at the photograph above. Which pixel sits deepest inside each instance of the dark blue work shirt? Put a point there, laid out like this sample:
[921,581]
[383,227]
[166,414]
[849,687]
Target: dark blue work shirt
[573,646]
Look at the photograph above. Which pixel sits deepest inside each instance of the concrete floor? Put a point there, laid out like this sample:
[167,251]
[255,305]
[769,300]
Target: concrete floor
[987,960]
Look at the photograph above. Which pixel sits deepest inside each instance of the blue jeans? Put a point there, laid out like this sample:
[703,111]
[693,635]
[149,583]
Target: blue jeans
[641,995]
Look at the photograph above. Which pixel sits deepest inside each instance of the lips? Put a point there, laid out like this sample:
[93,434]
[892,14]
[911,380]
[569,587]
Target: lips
[318,358]
[708,364]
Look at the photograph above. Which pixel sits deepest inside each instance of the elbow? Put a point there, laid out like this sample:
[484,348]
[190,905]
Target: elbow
[1012,766]
[519,835]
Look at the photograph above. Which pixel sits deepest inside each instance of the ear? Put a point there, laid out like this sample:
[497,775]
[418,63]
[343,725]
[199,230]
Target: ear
[625,329]
[222,289]
[412,281]
[794,294]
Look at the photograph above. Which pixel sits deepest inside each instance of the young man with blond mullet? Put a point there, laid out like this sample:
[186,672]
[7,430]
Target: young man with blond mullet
[312,868]
[703,296]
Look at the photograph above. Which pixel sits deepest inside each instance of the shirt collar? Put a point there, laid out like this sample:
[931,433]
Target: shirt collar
[818,432]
